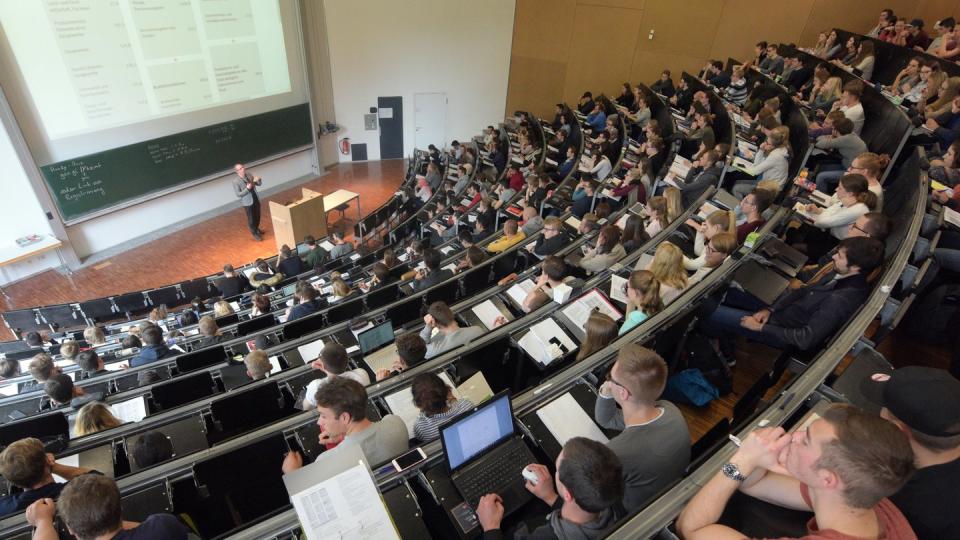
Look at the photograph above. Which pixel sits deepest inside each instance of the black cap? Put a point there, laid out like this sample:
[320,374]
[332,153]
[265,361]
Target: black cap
[925,399]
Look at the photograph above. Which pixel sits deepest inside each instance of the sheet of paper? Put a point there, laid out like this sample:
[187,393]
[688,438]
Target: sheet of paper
[11,389]
[580,309]
[353,349]
[537,342]
[401,403]
[707,209]
[347,505]
[487,313]
[446,250]
[476,389]
[566,419]
[622,222]
[310,351]
[70,461]
[618,287]
[177,348]
[451,267]
[951,216]
[274,364]
[519,291]
[132,410]
[573,222]
[115,366]
[355,256]
[235,306]
[326,245]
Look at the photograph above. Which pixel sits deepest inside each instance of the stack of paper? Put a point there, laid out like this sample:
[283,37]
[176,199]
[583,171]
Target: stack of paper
[487,313]
[132,410]
[537,342]
[326,245]
[274,364]
[519,291]
[310,351]
[580,309]
[618,288]
[566,419]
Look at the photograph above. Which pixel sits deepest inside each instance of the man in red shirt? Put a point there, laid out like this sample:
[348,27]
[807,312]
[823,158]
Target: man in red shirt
[842,467]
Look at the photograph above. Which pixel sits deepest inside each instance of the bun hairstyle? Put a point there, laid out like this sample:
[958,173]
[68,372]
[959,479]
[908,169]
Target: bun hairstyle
[857,185]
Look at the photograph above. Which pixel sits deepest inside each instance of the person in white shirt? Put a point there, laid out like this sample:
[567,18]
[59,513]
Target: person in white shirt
[854,199]
[720,247]
[333,363]
[849,104]
[719,221]
[772,162]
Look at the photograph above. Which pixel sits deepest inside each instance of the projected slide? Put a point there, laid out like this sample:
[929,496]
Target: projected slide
[96,64]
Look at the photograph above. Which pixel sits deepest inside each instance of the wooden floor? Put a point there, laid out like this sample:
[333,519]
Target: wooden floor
[201,249]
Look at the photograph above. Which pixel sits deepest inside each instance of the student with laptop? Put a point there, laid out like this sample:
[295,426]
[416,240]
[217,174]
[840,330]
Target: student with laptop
[449,334]
[342,405]
[584,504]
[411,350]
[333,363]
[654,441]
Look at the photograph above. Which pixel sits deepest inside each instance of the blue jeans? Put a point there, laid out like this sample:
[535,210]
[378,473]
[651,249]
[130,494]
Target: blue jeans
[724,323]
[827,181]
[949,259]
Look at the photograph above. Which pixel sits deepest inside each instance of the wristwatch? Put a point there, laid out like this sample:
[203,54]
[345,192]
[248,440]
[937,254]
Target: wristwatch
[731,471]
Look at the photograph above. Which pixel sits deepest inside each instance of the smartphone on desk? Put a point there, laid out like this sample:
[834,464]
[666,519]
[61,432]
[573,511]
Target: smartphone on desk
[411,458]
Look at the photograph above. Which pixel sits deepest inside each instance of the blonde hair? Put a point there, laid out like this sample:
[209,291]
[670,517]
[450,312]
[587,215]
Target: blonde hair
[659,203]
[953,88]
[258,364]
[667,266]
[69,349]
[158,313]
[723,218]
[94,335]
[340,287]
[831,88]
[208,326]
[221,308]
[648,290]
[674,203]
[94,417]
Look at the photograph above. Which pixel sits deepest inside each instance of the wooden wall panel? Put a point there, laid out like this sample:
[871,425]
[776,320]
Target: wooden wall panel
[536,85]
[647,66]
[542,29]
[740,23]
[601,49]
[688,31]
[627,4]
[932,11]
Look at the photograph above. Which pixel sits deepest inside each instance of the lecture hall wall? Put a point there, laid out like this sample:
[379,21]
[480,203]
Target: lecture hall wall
[563,47]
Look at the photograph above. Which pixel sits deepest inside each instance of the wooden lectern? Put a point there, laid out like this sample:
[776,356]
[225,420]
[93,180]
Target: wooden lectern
[293,221]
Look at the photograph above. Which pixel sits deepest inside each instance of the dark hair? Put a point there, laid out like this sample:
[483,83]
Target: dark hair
[717,64]
[88,361]
[228,268]
[762,44]
[430,393]
[878,225]
[857,185]
[476,255]
[381,271]
[151,448]
[441,313]
[863,252]
[762,199]
[854,88]
[261,302]
[343,395]
[844,126]
[152,335]
[33,339]
[464,235]
[334,357]
[187,318]
[608,238]
[9,368]
[411,348]
[432,258]
[131,341]
[59,388]
[949,22]
[554,267]
[666,72]
[309,240]
[592,473]
[90,505]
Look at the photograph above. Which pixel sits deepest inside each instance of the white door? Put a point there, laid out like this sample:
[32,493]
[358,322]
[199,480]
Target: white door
[430,120]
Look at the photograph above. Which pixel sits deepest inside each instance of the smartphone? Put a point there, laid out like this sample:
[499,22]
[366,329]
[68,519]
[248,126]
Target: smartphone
[411,458]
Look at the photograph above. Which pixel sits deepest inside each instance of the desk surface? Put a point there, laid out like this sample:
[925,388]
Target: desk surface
[12,253]
[337,198]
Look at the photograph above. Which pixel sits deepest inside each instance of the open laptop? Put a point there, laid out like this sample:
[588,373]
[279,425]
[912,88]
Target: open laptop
[485,455]
[377,346]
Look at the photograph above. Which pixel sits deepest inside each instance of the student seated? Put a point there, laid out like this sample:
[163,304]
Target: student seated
[657,215]
[308,301]
[553,272]
[340,246]
[151,448]
[342,405]
[607,251]
[474,256]
[667,267]
[584,495]
[512,235]
[94,417]
[583,198]
[232,283]
[654,441]
[61,390]
[842,468]
[26,465]
[258,365]
[929,498]
[752,206]
[643,299]
[449,334]
[717,250]
[9,368]
[532,222]
[803,318]
[411,350]
[41,368]
[315,255]
[90,506]
[288,263]
[436,403]
[210,332]
[432,274]
[153,347]
[90,363]
[94,335]
[719,221]
[332,362]
[600,331]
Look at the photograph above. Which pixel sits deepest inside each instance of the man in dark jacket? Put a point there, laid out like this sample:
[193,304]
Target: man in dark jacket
[706,173]
[61,390]
[552,239]
[432,274]
[584,504]
[232,283]
[664,86]
[153,347]
[803,318]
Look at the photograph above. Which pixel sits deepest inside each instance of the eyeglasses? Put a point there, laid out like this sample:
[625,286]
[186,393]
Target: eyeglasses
[857,227]
[614,381]
[550,229]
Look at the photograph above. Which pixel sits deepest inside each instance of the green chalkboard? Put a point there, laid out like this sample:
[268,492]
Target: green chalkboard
[101,181]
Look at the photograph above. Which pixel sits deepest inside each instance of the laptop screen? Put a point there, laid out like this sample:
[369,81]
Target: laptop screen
[376,337]
[475,432]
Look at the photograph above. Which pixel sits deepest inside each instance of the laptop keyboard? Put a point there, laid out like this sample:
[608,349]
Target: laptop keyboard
[497,476]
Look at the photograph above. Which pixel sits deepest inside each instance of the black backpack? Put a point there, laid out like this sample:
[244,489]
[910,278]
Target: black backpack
[699,354]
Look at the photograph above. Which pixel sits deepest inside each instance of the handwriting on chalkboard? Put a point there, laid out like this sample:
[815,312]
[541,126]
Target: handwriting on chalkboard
[223,133]
[76,181]
[160,152]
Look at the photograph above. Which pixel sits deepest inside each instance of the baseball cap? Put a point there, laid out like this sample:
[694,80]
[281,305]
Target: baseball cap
[925,399]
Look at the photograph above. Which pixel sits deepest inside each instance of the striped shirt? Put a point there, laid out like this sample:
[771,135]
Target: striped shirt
[427,428]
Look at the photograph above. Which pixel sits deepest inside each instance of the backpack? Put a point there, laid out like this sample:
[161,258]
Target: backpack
[935,314]
[699,354]
[691,387]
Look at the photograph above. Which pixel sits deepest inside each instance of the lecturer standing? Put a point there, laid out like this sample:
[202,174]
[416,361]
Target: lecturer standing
[245,188]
